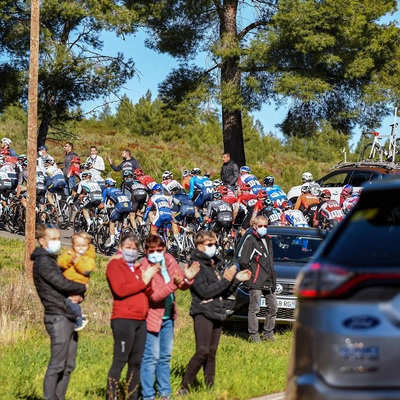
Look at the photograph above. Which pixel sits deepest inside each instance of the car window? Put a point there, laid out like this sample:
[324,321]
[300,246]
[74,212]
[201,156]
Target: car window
[336,179]
[294,248]
[370,237]
[357,178]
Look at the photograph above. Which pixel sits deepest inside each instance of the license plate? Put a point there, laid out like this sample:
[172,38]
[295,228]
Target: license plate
[282,303]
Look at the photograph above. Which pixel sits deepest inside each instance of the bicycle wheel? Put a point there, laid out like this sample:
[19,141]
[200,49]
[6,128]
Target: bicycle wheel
[52,214]
[79,224]
[188,246]
[102,239]
[173,246]
[64,214]
[14,218]
[371,152]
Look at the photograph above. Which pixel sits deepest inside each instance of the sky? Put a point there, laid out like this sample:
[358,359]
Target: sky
[153,67]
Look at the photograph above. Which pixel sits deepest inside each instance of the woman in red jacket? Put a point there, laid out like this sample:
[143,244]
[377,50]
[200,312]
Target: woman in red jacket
[161,317]
[130,288]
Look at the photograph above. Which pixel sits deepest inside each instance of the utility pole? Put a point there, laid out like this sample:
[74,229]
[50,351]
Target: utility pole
[32,133]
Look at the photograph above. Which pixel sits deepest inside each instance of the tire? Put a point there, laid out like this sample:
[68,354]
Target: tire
[52,214]
[366,153]
[79,224]
[173,246]
[64,214]
[14,218]
[102,237]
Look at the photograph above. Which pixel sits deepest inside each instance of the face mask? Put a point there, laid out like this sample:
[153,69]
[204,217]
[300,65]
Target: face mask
[129,255]
[53,246]
[210,251]
[155,257]
[262,231]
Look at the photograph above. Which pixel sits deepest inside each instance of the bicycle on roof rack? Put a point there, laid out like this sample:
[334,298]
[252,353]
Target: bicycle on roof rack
[376,151]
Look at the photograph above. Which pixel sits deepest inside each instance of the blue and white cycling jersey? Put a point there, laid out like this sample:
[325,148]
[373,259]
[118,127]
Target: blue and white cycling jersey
[276,194]
[201,190]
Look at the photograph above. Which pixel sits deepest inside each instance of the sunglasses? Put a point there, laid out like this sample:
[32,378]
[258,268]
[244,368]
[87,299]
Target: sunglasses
[262,226]
[151,251]
[209,244]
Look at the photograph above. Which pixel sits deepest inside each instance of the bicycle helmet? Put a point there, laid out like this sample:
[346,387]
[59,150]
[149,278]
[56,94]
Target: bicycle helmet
[262,194]
[347,190]
[196,171]
[326,194]
[217,183]
[305,188]
[49,160]
[76,160]
[42,147]
[22,157]
[245,187]
[268,202]
[217,196]
[127,174]
[269,181]
[223,190]
[84,174]
[6,141]
[157,188]
[110,182]
[25,163]
[185,173]
[138,172]
[307,177]
[315,191]
[167,175]
[286,205]
[244,169]
[174,187]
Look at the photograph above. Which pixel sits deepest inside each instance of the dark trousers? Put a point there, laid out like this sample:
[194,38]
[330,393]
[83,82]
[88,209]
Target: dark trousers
[76,307]
[64,343]
[129,340]
[207,333]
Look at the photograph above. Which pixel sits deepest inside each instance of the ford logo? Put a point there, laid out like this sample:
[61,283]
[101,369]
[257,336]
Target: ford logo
[361,322]
[279,288]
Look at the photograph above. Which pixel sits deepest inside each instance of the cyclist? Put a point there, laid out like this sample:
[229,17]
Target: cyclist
[350,202]
[275,192]
[5,187]
[18,166]
[245,201]
[54,177]
[201,188]
[88,194]
[271,212]
[306,199]
[168,181]
[10,168]
[329,212]
[219,214]
[186,176]
[291,217]
[227,195]
[161,205]
[246,178]
[114,199]
[347,191]
[136,193]
[145,180]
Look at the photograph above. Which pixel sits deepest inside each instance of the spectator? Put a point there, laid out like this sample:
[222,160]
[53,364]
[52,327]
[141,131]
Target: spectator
[161,317]
[130,288]
[229,172]
[6,149]
[255,254]
[95,161]
[59,319]
[128,162]
[42,157]
[207,309]
[69,155]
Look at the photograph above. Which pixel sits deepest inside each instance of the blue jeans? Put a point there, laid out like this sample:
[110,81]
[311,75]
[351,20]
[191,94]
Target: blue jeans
[156,361]
[64,343]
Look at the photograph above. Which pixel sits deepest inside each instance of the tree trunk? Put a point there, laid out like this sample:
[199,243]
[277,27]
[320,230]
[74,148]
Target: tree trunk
[232,129]
[43,130]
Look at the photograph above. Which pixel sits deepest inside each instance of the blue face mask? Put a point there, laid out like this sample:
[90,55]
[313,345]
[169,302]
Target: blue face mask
[262,231]
[155,257]
[129,255]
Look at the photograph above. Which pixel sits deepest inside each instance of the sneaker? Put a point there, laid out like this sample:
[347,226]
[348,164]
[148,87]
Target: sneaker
[255,338]
[80,324]
[182,392]
[111,243]
[268,337]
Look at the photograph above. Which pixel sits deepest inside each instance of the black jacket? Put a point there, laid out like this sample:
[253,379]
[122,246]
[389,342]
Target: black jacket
[229,173]
[252,254]
[209,288]
[51,285]
[126,165]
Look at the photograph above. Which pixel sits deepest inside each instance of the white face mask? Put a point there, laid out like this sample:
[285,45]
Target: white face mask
[155,257]
[53,246]
[129,255]
[210,251]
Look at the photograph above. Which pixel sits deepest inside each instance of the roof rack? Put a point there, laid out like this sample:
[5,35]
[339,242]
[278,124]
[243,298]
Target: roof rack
[366,163]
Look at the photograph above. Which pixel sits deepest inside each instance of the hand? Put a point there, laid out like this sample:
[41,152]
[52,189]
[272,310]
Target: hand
[76,298]
[191,272]
[229,273]
[244,275]
[151,270]
[178,279]
[109,159]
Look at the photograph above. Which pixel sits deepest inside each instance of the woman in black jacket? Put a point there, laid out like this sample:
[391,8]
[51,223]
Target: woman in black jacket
[207,309]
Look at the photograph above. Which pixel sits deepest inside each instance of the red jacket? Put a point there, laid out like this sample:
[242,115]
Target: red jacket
[161,290]
[130,293]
